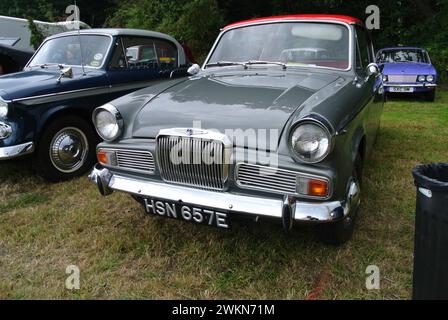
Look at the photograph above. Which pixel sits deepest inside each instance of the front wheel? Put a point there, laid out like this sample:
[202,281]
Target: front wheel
[66,149]
[338,233]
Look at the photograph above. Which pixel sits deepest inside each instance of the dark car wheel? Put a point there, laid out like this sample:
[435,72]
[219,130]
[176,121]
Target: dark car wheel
[340,232]
[66,149]
[431,96]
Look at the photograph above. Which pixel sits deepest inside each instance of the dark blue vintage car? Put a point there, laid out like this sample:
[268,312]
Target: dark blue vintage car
[408,70]
[47,108]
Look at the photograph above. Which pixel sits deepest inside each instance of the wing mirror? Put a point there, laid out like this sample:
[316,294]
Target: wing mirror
[65,73]
[372,70]
[194,69]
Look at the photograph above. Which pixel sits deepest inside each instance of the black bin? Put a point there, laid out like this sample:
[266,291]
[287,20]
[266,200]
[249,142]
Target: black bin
[431,232]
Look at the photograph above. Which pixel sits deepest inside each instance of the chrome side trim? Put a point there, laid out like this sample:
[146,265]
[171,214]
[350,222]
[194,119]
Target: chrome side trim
[51,97]
[300,211]
[62,95]
[16,151]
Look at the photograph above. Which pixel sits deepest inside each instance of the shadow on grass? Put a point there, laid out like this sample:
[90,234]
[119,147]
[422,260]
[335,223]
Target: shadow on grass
[406,97]
[12,170]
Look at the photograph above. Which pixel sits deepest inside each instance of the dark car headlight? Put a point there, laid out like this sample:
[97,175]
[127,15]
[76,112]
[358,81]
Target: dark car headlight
[310,141]
[3,108]
[108,122]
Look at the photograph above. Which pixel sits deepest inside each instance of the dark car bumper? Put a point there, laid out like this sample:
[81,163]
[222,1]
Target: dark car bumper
[287,208]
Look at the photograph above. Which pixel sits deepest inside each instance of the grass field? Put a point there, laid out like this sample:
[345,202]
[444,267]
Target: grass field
[124,254]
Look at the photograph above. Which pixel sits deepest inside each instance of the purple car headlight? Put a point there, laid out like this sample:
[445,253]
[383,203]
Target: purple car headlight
[421,78]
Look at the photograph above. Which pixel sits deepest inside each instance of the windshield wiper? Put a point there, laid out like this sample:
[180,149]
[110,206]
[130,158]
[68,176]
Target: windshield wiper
[46,65]
[244,64]
[251,62]
[226,63]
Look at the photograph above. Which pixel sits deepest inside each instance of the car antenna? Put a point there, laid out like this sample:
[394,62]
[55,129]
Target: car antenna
[79,38]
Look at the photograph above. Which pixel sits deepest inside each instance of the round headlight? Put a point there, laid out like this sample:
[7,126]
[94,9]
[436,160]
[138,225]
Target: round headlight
[108,122]
[430,78]
[3,109]
[421,78]
[385,78]
[310,142]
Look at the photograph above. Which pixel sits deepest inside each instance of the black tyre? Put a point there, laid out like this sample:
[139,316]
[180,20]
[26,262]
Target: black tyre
[431,96]
[66,149]
[340,232]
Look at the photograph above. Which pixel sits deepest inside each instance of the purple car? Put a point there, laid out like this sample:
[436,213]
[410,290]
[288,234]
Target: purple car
[408,70]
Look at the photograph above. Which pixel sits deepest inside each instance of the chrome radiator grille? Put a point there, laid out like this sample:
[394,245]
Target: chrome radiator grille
[255,176]
[192,161]
[135,160]
[398,78]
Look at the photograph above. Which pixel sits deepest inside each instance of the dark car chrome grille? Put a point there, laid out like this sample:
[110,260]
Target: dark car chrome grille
[135,160]
[266,178]
[400,78]
[193,165]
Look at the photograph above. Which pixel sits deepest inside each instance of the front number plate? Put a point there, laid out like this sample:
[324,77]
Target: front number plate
[401,89]
[185,212]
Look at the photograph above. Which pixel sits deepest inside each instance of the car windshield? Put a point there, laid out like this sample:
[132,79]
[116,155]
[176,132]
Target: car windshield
[402,55]
[66,50]
[291,43]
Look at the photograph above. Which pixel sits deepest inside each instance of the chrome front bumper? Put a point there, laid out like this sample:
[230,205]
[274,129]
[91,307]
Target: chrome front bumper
[12,152]
[415,85]
[288,209]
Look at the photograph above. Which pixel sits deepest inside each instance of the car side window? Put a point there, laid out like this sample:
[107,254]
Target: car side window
[140,53]
[364,50]
[166,53]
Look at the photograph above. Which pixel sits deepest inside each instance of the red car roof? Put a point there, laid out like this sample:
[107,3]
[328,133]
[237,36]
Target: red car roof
[329,17]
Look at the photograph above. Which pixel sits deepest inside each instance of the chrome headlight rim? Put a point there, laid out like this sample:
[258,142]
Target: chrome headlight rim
[313,121]
[116,116]
[421,78]
[430,78]
[4,108]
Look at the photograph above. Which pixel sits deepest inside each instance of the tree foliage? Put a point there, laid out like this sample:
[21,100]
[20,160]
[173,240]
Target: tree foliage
[37,35]
[194,22]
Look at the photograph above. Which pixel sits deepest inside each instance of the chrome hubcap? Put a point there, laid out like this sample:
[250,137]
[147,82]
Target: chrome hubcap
[69,149]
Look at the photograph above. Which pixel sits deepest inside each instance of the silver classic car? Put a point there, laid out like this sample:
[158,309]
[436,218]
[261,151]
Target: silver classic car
[277,124]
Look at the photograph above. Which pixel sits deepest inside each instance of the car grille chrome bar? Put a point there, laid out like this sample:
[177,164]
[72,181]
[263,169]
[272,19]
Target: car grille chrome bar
[135,160]
[399,78]
[193,161]
[266,178]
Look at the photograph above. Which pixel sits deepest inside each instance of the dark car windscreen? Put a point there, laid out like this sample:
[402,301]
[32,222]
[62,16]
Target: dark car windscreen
[66,50]
[402,55]
[293,43]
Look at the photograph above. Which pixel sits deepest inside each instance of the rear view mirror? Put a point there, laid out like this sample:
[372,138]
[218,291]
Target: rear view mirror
[65,73]
[194,69]
[373,70]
